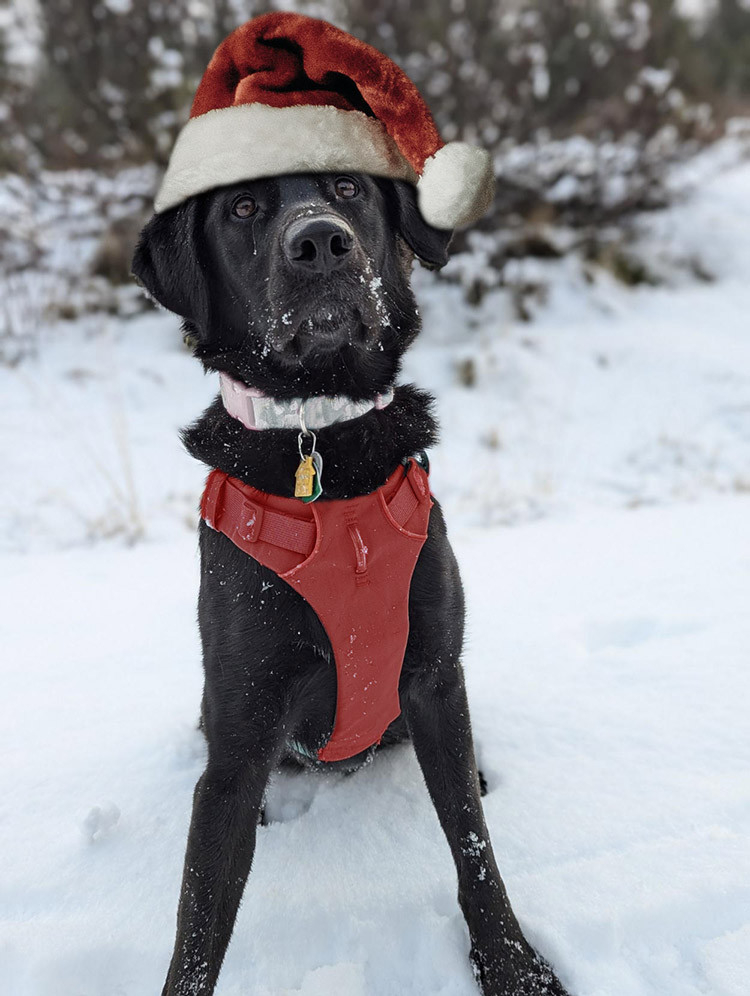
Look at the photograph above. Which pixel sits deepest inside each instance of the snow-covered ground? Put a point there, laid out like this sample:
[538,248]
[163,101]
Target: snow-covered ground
[596,477]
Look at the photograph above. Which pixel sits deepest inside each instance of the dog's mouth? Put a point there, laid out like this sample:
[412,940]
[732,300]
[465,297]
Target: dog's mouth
[321,327]
[339,335]
[326,328]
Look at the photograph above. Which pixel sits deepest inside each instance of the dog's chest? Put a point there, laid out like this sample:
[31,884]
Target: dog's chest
[352,562]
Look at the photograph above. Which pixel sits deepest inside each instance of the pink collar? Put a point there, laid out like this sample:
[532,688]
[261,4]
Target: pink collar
[257,411]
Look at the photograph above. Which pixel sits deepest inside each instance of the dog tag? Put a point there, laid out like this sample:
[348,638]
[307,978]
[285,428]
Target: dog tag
[317,489]
[304,478]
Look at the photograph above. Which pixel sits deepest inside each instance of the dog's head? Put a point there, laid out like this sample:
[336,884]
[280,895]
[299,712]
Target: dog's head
[297,285]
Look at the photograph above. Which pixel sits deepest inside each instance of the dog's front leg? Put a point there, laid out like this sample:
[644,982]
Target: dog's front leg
[221,842]
[437,715]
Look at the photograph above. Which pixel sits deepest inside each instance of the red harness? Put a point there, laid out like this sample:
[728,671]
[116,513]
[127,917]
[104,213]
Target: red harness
[352,560]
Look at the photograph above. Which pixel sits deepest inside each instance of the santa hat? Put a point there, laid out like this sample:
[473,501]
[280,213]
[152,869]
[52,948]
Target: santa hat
[285,93]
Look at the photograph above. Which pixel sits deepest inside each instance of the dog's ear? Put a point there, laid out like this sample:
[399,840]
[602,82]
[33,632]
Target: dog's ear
[428,243]
[167,263]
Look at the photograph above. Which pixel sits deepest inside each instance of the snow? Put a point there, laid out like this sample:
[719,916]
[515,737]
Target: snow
[594,470]
[605,668]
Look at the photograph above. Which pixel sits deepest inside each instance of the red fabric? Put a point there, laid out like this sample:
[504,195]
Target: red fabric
[284,59]
[352,560]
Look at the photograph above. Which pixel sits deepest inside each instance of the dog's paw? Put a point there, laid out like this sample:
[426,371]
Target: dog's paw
[519,971]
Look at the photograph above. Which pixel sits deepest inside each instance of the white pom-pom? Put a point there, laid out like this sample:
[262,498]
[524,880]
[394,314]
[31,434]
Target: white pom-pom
[456,186]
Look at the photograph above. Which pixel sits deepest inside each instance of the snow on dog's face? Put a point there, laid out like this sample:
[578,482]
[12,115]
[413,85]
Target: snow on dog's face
[297,285]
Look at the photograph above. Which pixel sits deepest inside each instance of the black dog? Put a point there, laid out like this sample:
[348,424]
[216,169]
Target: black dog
[299,286]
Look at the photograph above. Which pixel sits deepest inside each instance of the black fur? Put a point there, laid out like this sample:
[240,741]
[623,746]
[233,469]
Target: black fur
[251,306]
[247,312]
[356,452]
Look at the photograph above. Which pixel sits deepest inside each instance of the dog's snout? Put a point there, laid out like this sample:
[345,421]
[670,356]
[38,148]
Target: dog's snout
[318,244]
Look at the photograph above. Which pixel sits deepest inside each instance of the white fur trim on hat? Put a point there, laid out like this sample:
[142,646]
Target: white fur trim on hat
[249,141]
[457,185]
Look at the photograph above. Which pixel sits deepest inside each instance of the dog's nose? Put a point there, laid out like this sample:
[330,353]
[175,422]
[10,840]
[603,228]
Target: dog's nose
[318,244]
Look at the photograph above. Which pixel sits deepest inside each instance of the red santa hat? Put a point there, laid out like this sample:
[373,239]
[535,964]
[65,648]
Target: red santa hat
[285,93]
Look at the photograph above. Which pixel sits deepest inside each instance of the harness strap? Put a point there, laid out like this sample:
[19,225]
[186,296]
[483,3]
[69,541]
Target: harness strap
[404,502]
[227,508]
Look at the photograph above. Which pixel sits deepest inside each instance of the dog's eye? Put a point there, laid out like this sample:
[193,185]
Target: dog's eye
[346,187]
[244,206]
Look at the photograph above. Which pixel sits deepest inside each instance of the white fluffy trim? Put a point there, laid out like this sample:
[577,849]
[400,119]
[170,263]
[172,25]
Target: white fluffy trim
[249,141]
[457,185]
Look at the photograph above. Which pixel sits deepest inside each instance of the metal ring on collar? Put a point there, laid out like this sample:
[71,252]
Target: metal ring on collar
[306,433]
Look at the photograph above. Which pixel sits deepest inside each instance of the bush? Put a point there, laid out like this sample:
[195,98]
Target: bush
[116,77]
